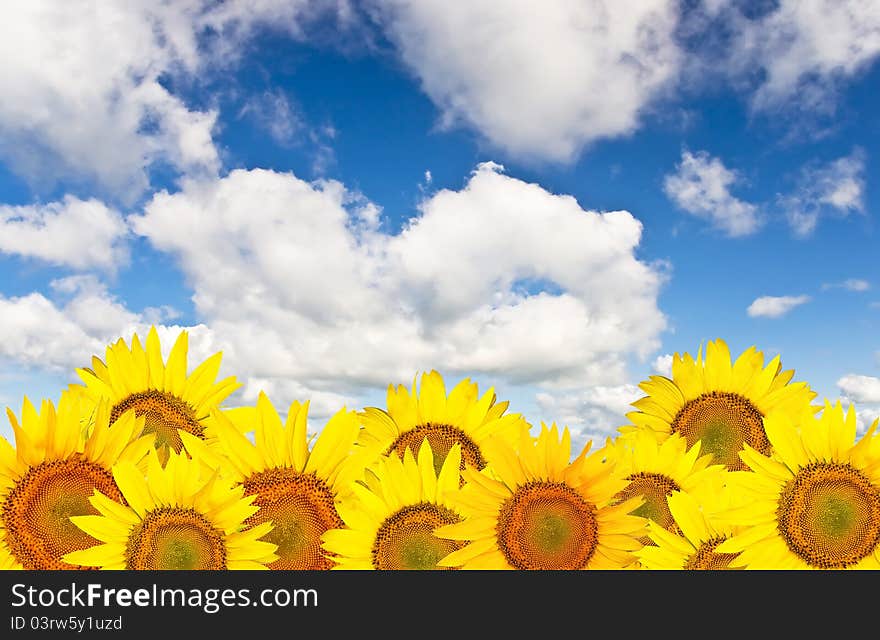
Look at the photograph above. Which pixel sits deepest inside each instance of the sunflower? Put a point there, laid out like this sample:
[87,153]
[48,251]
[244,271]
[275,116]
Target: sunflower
[177,517]
[296,487]
[170,400]
[654,470]
[723,405]
[391,516]
[463,417]
[816,503]
[534,509]
[51,472]
[700,533]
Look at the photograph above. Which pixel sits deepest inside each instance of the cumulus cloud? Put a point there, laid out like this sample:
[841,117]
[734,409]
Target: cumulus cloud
[537,82]
[866,416]
[663,365]
[860,388]
[835,188]
[237,21]
[37,333]
[106,71]
[806,49]
[594,413]
[774,306]
[701,186]
[863,392]
[58,335]
[306,290]
[68,62]
[79,318]
[74,233]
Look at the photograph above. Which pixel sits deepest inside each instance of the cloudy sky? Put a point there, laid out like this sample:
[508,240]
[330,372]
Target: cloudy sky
[550,198]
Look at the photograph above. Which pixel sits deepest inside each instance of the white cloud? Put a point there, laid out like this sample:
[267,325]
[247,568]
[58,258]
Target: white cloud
[275,113]
[701,186]
[61,332]
[836,187]
[282,392]
[806,48]
[663,365]
[851,284]
[539,81]
[239,20]
[90,306]
[306,291]
[774,306]
[866,415]
[160,314]
[861,394]
[58,336]
[860,388]
[272,111]
[80,234]
[39,334]
[593,413]
[69,62]
[106,69]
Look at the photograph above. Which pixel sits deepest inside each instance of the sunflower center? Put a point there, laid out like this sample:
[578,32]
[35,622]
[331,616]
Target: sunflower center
[705,558]
[441,437]
[301,507]
[547,525]
[829,515]
[163,415]
[722,421]
[36,512]
[406,539]
[654,488]
[174,538]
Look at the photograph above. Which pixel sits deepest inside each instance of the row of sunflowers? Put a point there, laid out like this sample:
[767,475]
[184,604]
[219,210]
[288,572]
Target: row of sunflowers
[727,464]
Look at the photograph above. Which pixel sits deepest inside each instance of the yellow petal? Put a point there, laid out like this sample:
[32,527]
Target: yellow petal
[432,398]
[113,509]
[154,357]
[466,553]
[175,368]
[335,443]
[133,486]
[504,462]
[110,554]
[102,528]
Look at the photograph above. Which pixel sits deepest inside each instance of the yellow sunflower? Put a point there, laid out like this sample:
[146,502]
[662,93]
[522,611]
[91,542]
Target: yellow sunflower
[654,470]
[295,486]
[700,533]
[723,405]
[816,503]
[51,472]
[463,417]
[391,516]
[177,518]
[170,400]
[532,508]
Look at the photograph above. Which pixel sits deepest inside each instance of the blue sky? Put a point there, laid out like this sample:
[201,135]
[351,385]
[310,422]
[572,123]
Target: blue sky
[339,195]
